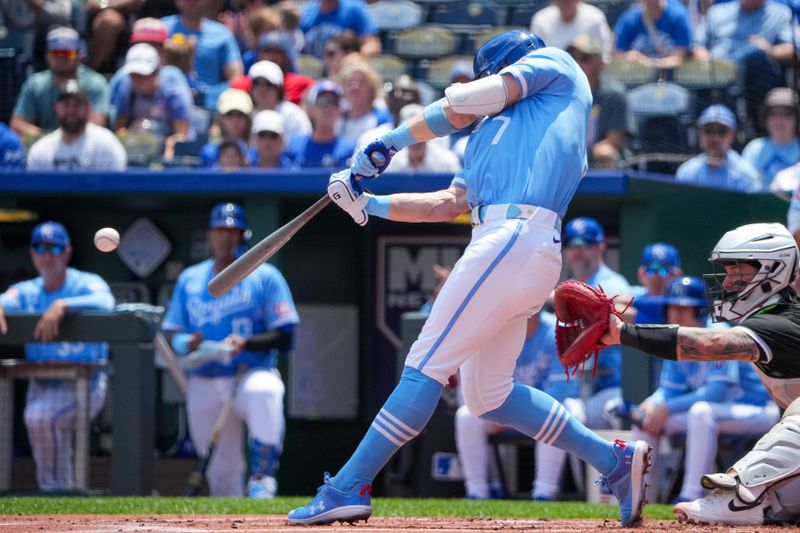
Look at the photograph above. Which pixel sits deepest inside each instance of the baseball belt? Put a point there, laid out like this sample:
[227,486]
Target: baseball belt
[539,215]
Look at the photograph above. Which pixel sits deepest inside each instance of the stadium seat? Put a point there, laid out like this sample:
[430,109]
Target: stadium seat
[129,292]
[711,82]
[429,42]
[309,66]
[481,37]
[388,66]
[662,113]
[521,13]
[438,73]
[142,147]
[631,73]
[396,14]
[467,16]
[611,8]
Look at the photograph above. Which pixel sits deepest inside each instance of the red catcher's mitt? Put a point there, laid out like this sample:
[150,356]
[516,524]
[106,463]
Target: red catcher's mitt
[582,312]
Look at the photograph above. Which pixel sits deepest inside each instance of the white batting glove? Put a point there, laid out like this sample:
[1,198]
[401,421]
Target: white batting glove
[207,352]
[347,193]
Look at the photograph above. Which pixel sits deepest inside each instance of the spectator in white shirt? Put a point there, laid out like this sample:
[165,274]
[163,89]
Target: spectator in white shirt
[424,156]
[560,23]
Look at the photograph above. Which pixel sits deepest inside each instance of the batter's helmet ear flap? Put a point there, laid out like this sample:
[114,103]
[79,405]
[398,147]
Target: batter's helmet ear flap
[502,50]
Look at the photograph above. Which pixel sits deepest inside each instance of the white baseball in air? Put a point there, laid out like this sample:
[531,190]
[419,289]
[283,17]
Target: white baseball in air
[106,239]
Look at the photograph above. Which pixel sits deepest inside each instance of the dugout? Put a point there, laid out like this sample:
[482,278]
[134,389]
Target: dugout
[341,275]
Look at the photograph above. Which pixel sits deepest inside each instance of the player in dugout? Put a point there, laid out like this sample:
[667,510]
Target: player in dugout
[522,166]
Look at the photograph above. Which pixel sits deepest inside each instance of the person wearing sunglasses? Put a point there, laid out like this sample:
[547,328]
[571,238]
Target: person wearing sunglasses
[34,111]
[269,139]
[50,404]
[719,165]
[267,92]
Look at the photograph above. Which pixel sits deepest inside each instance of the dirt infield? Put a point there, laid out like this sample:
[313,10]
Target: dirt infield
[278,524]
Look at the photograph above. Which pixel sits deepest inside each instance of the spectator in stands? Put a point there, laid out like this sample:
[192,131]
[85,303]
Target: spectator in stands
[278,47]
[33,113]
[324,147]
[269,139]
[781,148]
[424,156]
[77,144]
[217,57]
[263,20]
[36,15]
[180,52]
[610,120]
[787,179]
[234,108]
[267,93]
[397,94]
[109,18]
[290,14]
[150,98]
[361,86]
[755,34]
[12,154]
[656,33]
[232,155]
[50,406]
[719,165]
[336,49]
[559,24]
[322,19]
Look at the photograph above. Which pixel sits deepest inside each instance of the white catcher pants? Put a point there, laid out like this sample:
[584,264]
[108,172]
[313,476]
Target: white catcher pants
[258,403]
[478,320]
[702,424]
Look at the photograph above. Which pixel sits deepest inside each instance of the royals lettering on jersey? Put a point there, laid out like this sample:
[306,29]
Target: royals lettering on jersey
[532,137]
[259,303]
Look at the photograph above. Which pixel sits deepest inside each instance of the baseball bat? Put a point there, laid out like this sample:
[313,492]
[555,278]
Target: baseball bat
[194,484]
[262,251]
[165,352]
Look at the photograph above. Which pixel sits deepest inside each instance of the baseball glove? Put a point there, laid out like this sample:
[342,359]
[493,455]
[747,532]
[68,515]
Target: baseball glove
[582,312]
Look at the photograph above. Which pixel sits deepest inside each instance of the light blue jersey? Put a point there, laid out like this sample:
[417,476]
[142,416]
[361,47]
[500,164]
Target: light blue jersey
[609,367]
[538,364]
[532,137]
[81,291]
[260,302]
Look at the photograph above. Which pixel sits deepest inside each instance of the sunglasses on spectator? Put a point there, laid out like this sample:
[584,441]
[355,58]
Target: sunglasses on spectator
[261,82]
[268,135]
[655,269]
[327,102]
[67,54]
[235,114]
[781,112]
[715,130]
[330,52]
[43,248]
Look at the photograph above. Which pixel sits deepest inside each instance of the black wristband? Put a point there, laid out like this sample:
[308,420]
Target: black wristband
[660,340]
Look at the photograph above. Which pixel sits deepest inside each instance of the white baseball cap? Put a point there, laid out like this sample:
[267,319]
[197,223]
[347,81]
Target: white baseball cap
[234,100]
[267,70]
[141,59]
[268,120]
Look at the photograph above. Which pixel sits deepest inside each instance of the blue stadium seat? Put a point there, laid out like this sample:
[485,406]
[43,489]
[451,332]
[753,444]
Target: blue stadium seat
[612,8]
[663,119]
[467,16]
[397,14]
[521,13]
[425,42]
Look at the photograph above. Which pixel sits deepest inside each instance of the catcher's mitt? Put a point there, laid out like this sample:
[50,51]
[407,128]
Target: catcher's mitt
[582,312]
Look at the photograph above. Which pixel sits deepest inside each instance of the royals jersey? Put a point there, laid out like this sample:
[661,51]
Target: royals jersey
[81,291]
[260,302]
[538,365]
[609,366]
[520,154]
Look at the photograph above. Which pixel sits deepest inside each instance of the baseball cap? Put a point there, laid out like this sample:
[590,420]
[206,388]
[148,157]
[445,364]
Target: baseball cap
[586,44]
[279,40]
[63,38]
[583,231]
[660,258]
[141,59]
[72,88]
[781,97]
[228,215]
[234,100]
[50,232]
[268,120]
[267,70]
[149,30]
[717,114]
[323,87]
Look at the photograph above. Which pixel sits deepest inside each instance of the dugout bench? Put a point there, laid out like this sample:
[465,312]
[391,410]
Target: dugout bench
[132,392]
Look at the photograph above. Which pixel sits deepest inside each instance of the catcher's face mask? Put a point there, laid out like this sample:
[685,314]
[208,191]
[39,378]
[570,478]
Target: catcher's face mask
[732,288]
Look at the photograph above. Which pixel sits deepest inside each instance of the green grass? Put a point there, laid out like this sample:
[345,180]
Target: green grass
[381,507]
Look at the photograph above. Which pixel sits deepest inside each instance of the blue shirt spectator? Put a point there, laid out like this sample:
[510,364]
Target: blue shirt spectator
[305,151]
[719,165]
[321,20]
[655,29]
[12,155]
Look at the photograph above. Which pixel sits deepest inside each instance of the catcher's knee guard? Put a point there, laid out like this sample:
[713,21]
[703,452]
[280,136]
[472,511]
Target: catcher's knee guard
[774,459]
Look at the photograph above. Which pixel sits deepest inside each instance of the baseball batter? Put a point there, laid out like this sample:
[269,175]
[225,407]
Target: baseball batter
[247,326]
[537,366]
[50,404]
[523,163]
[702,400]
[758,262]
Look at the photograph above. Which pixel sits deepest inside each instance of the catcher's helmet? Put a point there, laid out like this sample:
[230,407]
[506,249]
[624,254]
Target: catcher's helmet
[688,291]
[228,215]
[768,247]
[502,50]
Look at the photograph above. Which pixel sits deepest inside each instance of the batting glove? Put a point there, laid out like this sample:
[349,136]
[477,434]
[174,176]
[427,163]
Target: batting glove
[373,159]
[347,193]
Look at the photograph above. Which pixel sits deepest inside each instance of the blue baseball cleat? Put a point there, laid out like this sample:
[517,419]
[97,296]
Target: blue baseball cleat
[626,481]
[331,505]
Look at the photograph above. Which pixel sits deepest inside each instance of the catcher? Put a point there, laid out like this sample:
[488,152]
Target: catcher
[758,262]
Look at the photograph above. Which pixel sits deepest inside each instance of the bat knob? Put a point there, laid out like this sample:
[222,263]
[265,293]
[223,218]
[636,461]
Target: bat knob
[377,158]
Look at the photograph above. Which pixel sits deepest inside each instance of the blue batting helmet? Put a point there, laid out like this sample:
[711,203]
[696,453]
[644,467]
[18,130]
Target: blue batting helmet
[228,215]
[688,291]
[503,50]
